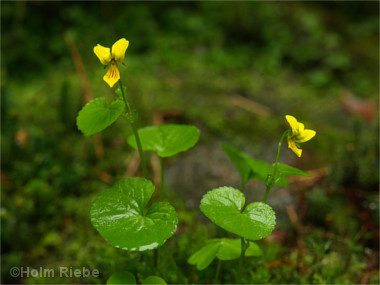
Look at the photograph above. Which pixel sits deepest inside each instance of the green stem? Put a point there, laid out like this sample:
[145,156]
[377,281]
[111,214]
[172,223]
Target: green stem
[241,260]
[243,241]
[135,132]
[162,174]
[155,257]
[285,134]
[271,178]
[141,153]
[125,98]
[217,271]
[266,194]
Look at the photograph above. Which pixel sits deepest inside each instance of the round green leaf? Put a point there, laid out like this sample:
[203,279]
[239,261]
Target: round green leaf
[121,277]
[166,140]
[120,216]
[223,206]
[153,280]
[96,115]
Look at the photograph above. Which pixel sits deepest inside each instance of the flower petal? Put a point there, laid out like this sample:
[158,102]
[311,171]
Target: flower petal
[301,127]
[293,123]
[112,76]
[293,147]
[103,54]
[305,136]
[119,48]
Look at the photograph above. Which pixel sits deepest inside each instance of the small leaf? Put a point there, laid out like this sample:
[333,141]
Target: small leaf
[249,168]
[287,170]
[166,140]
[230,249]
[120,216]
[153,280]
[253,250]
[224,249]
[223,206]
[260,169]
[121,277]
[96,115]
[203,257]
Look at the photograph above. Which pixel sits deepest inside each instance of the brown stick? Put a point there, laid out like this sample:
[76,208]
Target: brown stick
[133,165]
[87,96]
[250,105]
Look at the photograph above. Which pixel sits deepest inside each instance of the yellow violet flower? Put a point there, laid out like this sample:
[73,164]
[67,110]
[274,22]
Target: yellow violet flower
[106,56]
[298,135]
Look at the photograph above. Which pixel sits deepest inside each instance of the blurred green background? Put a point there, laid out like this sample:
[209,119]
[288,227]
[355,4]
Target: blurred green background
[233,70]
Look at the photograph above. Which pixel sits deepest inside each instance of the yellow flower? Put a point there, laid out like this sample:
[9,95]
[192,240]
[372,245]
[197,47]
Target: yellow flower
[106,57]
[298,135]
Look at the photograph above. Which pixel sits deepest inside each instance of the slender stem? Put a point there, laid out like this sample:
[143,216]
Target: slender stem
[217,271]
[135,132]
[242,252]
[125,98]
[155,251]
[155,257]
[141,153]
[278,152]
[266,194]
[271,179]
[243,241]
[162,174]
[241,260]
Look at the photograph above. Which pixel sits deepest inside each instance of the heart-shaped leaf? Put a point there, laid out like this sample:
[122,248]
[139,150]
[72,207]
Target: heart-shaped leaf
[153,280]
[224,207]
[249,168]
[121,277]
[224,249]
[120,216]
[96,115]
[166,140]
